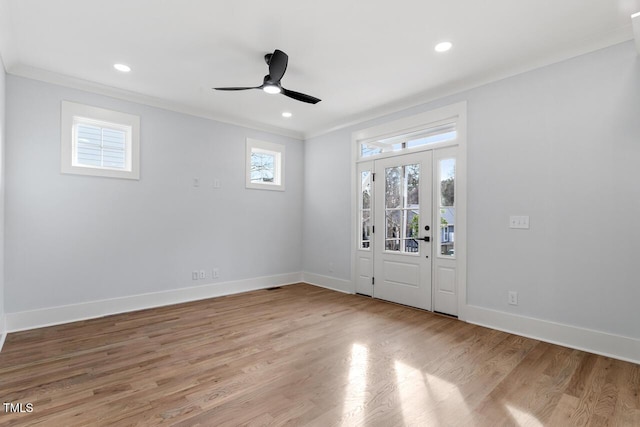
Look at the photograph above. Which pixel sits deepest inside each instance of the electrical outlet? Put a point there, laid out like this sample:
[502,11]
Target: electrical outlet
[203,274]
[513,298]
[194,275]
[216,183]
[216,273]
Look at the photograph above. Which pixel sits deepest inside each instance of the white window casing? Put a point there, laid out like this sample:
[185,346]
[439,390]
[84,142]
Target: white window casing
[99,142]
[265,165]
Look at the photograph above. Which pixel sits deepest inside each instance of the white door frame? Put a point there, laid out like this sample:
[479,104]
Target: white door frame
[454,112]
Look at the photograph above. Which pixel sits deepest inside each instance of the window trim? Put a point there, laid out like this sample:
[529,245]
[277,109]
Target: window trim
[72,112]
[279,166]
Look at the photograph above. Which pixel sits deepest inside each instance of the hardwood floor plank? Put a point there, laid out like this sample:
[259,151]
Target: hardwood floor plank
[303,355]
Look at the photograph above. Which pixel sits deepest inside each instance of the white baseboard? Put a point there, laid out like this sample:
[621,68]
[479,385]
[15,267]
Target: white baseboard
[32,319]
[597,342]
[328,282]
[605,344]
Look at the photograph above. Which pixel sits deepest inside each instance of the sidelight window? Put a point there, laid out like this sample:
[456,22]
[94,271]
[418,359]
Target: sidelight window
[365,209]
[447,211]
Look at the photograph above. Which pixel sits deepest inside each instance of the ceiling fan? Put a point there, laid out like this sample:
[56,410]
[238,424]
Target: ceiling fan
[277,62]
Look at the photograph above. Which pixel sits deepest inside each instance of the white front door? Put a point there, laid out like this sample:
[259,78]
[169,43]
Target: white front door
[403,210]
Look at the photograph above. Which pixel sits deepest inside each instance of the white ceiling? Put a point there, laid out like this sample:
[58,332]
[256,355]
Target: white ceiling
[362,58]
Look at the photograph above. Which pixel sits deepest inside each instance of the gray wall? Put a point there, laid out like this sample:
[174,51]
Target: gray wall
[327,204]
[561,144]
[73,239]
[2,189]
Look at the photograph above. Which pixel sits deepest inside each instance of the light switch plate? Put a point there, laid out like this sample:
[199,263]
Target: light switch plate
[519,221]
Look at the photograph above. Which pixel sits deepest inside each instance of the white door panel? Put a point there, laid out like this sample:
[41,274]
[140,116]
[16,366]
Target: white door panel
[365,275]
[403,207]
[402,273]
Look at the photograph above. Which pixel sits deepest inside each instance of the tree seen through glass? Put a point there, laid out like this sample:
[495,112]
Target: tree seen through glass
[365,209]
[447,207]
[402,208]
[262,167]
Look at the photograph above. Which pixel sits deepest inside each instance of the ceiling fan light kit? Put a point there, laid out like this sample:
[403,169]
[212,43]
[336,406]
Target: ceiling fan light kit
[277,62]
[272,89]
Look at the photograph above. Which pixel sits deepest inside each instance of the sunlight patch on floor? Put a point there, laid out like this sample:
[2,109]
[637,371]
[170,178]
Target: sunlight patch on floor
[414,396]
[524,419]
[427,397]
[448,396]
[353,407]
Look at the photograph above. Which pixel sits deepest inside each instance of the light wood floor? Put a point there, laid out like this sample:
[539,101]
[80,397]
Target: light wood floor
[303,355]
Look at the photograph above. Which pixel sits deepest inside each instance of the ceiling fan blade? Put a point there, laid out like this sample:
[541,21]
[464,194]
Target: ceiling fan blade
[300,96]
[237,88]
[277,65]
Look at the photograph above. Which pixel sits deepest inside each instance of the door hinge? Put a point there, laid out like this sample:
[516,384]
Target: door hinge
[373,229]
[373,281]
[373,177]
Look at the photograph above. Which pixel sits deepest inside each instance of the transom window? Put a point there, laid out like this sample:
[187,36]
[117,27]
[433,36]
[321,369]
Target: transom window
[444,132]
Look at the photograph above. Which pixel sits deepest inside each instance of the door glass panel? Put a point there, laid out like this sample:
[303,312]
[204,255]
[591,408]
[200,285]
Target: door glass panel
[393,187]
[365,209]
[413,187]
[365,220]
[402,208]
[446,238]
[392,237]
[366,190]
[412,224]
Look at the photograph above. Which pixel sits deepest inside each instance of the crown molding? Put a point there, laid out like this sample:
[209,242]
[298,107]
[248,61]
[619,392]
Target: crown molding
[125,95]
[621,35]
[597,42]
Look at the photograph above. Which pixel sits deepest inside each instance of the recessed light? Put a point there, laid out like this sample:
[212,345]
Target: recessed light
[443,47]
[122,68]
[287,114]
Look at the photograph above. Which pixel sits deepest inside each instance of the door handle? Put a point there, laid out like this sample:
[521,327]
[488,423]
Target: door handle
[425,238]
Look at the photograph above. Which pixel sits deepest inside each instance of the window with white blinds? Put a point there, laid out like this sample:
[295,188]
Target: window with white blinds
[99,142]
[101,145]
